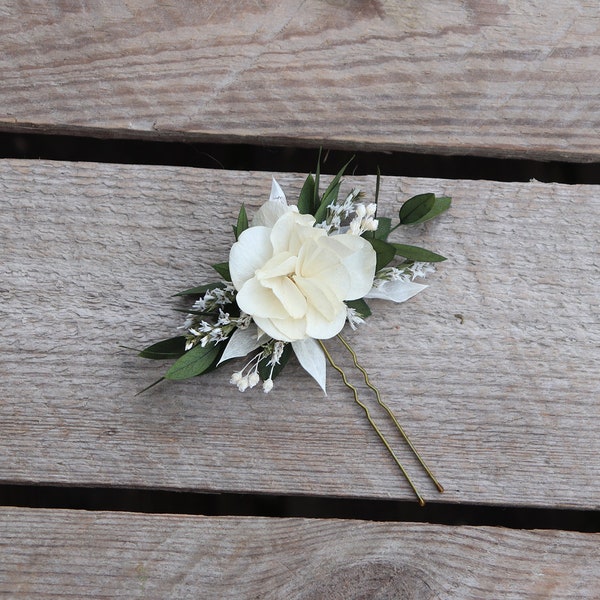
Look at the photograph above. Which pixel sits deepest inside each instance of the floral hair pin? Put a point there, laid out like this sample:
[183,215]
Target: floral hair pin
[296,275]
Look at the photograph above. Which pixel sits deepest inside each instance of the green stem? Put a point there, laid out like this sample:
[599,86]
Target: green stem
[394,228]
[368,414]
[438,485]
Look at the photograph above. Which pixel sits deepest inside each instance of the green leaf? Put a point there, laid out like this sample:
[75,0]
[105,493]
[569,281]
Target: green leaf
[331,194]
[423,207]
[194,362]
[223,270]
[171,348]
[242,222]
[416,253]
[315,198]
[200,289]
[442,204]
[264,368]
[360,306]
[305,201]
[385,253]
[415,208]
[383,228]
[150,386]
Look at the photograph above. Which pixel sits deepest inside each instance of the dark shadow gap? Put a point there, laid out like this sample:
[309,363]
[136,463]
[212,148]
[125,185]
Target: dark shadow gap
[278,506]
[279,159]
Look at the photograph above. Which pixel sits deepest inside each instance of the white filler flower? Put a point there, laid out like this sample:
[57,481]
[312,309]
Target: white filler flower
[293,278]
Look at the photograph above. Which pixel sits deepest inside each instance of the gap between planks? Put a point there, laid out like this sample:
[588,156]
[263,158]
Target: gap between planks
[154,501]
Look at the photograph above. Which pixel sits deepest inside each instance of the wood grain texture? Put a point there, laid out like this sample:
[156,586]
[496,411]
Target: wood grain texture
[486,77]
[111,555]
[493,369]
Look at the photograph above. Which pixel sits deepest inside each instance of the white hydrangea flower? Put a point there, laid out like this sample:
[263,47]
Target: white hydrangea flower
[293,278]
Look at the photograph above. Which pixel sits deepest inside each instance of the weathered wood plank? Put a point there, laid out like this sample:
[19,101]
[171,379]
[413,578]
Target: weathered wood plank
[445,76]
[493,369]
[120,555]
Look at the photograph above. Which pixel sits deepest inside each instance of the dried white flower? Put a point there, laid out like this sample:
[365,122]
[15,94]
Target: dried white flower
[293,278]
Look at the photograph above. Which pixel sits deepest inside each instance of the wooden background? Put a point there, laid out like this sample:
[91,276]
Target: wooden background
[487,77]
[492,369]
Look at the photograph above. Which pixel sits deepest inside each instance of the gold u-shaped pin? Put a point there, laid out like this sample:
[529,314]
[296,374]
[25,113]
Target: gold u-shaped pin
[389,412]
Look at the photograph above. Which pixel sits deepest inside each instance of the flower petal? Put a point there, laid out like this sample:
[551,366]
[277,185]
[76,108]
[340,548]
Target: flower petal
[290,296]
[360,262]
[319,261]
[271,210]
[281,264]
[320,328]
[319,295]
[396,291]
[268,214]
[290,231]
[241,342]
[259,301]
[285,330]
[252,250]
[277,194]
[312,359]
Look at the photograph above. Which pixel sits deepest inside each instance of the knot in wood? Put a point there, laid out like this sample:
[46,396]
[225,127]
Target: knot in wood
[373,581]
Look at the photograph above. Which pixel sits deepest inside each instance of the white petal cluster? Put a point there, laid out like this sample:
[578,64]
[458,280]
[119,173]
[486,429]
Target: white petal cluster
[293,278]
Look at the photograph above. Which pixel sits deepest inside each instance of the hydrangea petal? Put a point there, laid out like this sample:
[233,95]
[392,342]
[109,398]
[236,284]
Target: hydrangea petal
[286,330]
[268,214]
[291,230]
[251,251]
[259,301]
[316,261]
[321,328]
[281,264]
[361,262]
[312,359]
[319,295]
[290,296]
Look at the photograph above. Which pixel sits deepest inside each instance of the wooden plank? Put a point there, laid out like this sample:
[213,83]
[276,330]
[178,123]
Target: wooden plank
[119,555]
[493,369]
[445,76]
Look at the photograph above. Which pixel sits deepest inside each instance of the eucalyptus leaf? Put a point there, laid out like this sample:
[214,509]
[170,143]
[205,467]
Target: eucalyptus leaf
[331,194]
[150,386]
[418,254]
[360,306]
[384,226]
[242,222]
[264,368]
[441,204]
[415,208]
[305,200]
[385,253]
[200,289]
[321,213]
[315,197]
[423,208]
[194,362]
[223,270]
[165,349]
